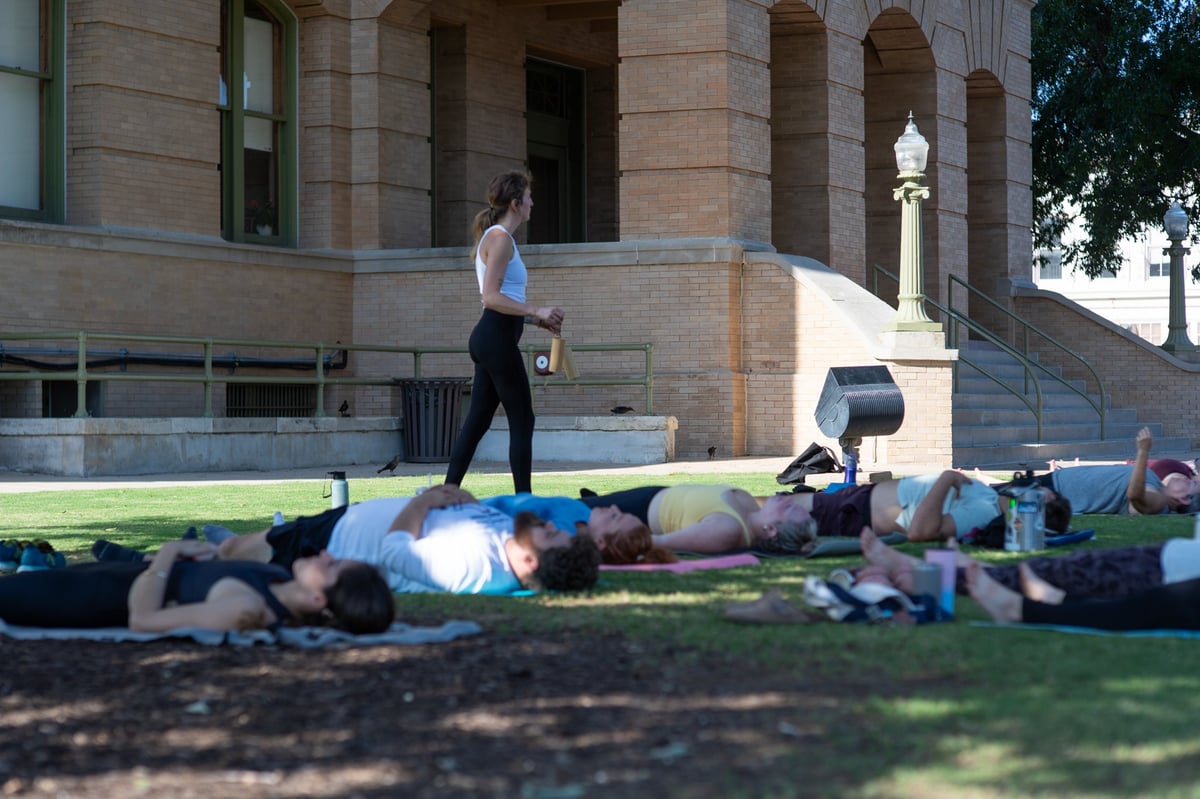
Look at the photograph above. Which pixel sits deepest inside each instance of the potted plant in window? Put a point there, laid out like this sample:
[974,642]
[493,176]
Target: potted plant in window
[264,217]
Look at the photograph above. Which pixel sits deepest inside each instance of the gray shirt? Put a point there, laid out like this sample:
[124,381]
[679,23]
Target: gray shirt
[1099,489]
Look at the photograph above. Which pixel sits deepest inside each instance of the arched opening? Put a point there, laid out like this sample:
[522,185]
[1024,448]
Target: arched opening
[898,78]
[803,99]
[989,232]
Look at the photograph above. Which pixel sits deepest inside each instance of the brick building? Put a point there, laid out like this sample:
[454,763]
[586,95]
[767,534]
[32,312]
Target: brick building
[711,176]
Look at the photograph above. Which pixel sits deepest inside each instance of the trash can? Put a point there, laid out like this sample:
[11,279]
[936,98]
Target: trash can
[431,408]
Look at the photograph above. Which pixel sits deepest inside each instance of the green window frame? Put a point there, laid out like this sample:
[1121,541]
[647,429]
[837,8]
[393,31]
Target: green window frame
[31,79]
[258,122]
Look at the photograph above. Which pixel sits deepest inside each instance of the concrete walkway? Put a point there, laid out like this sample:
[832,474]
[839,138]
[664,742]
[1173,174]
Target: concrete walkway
[12,482]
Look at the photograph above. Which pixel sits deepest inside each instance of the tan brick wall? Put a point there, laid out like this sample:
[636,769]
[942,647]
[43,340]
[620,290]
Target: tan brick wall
[707,118]
[1136,374]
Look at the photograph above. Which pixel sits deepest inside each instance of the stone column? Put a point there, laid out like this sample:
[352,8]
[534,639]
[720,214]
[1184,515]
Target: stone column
[694,102]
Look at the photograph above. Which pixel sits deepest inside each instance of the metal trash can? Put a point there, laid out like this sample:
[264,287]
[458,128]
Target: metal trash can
[859,401]
[431,408]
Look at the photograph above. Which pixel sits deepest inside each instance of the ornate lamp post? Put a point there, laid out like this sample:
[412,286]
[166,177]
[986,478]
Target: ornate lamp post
[911,153]
[1176,223]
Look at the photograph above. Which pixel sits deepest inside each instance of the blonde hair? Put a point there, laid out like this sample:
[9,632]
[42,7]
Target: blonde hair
[502,190]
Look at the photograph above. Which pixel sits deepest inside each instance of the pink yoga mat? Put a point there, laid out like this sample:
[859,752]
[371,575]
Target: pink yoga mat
[695,564]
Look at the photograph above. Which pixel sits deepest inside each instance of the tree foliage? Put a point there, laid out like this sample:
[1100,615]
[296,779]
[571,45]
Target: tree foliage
[1116,122]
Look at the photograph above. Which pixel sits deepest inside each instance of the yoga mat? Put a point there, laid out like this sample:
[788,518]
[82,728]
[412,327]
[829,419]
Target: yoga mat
[1063,628]
[684,566]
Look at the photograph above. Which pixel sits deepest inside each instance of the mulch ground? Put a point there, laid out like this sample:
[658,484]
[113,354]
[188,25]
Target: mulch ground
[551,717]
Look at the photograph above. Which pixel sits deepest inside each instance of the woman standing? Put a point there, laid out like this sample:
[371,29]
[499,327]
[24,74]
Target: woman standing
[500,376]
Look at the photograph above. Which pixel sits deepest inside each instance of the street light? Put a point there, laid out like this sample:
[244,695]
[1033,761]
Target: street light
[1175,220]
[912,152]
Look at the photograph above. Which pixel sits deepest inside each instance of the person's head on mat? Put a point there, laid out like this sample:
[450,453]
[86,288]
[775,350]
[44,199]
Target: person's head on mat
[546,558]
[623,538]
[348,594]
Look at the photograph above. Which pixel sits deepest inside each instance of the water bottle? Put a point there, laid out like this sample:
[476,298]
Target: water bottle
[851,468]
[339,489]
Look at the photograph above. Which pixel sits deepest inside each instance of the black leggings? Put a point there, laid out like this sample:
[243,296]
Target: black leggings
[500,379]
[1170,607]
[85,595]
[631,500]
[1091,573]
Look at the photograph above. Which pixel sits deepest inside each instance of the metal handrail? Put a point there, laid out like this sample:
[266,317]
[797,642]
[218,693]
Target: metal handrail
[323,354]
[1026,328]
[1028,364]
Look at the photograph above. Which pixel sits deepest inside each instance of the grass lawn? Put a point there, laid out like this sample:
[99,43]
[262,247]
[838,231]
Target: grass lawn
[941,710]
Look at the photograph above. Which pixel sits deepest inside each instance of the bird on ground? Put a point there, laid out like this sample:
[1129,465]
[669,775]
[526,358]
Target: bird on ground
[712,453]
[344,409]
[622,409]
[390,466]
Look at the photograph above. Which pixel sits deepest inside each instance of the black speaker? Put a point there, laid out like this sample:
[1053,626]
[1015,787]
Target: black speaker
[859,401]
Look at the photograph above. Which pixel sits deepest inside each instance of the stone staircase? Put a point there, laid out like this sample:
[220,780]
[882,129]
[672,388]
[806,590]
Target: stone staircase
[993,429]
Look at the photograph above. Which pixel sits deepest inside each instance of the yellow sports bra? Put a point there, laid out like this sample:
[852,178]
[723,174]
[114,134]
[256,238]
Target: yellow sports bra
[688,504]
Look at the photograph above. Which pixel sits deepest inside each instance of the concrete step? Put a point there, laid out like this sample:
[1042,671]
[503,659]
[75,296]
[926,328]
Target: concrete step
[974,383]
[1038,456]
[982,435]
[1017,415]
[1000,399]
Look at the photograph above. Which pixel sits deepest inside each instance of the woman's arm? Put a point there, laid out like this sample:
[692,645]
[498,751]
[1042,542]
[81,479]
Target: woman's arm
[1140,499]
[149,589]
[496,250]
[928,522]
[241,609]
[715,533]
[236,607]
[412,519]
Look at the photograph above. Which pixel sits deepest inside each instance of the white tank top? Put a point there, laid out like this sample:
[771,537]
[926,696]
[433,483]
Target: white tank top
[515,276]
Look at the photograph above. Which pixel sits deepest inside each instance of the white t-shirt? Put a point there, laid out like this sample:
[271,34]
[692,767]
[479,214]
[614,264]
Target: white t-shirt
[974,505]
[460,551]
[1180,560]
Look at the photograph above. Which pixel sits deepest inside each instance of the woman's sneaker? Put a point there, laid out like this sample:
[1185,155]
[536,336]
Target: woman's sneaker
[33,560]
[10,556]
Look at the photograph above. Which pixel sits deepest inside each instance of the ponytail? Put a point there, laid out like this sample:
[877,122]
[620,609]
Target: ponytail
[502,191]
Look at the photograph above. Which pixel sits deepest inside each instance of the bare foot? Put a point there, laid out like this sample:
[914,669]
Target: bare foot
[1038,589]
[1000,603]
[897,565]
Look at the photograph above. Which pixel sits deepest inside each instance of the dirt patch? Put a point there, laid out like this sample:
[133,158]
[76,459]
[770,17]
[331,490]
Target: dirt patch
[552,717]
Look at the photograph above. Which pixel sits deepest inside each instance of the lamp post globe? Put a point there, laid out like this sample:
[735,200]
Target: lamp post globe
[912,151]
[1175,220]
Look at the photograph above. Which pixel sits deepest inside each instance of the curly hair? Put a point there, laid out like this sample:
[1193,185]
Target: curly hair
[570,568]
[636,546]
[361,601]
[791,538]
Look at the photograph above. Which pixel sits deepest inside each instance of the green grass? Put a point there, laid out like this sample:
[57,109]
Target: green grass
[931,711]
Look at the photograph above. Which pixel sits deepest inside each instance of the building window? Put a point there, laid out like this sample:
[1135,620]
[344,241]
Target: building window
[1049,264]
[258,126]
[32,63]
[1159,269]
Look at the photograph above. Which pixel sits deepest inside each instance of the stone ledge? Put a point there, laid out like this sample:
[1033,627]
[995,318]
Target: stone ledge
[622,440]
[129,446]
